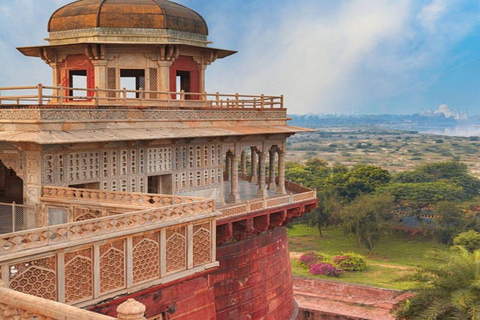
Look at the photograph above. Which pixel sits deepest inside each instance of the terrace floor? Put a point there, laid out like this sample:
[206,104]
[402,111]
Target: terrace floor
[248,191]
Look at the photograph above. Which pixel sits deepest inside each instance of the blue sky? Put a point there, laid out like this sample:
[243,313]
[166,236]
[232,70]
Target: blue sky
[342,56]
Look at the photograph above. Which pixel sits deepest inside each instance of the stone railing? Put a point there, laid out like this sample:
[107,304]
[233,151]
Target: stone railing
[87,262]
[262,204]
[296,187]
[125,198]
[105,226]
[16,305]
[61,97]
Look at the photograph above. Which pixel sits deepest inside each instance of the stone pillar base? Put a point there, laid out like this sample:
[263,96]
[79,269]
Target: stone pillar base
[254,180]
[262,193]
[281,190]
[272,186]
[234,198]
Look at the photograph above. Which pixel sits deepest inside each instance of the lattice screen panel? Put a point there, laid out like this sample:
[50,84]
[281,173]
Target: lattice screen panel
[127,169]
[82,214]
[112,266]
[111,81]
[79,275]
[176,249]
[36,277]
[146,258]
[202,244]
[153,73]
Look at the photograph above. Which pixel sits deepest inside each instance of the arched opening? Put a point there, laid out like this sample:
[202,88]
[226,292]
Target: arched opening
[12,215]
[11,186]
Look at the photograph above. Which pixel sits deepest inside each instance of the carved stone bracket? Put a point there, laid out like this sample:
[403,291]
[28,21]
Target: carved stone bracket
[169,52]
[14,162]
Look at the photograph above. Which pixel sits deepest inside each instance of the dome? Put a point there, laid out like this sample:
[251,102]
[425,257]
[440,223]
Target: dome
[127,14]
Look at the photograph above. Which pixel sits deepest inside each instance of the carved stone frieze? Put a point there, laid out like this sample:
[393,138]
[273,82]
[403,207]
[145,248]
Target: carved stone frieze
[125,114]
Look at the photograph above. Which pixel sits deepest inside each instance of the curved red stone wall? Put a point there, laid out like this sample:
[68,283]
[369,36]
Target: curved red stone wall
[254,280]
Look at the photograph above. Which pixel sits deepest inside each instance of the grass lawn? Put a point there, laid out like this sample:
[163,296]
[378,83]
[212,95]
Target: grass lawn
[391,259]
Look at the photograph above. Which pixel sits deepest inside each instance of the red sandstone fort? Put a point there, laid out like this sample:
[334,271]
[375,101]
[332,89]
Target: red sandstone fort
[127,191]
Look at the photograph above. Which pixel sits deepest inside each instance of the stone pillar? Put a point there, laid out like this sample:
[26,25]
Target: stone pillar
[234,195]
[253,165]
[164,78]
[228,167]
[56,80]
[262,191]
[281,172]
[131,310]
[100,67]
[271,174]
[32,187]
[243,164]
[201,80]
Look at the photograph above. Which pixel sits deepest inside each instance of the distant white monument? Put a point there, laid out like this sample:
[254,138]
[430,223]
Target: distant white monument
[447,112]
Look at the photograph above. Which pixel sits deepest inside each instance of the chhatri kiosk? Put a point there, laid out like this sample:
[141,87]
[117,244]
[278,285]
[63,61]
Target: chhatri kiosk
[125,180]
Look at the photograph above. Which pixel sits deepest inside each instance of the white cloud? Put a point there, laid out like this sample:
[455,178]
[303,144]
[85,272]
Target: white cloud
[340,56]
[432,13]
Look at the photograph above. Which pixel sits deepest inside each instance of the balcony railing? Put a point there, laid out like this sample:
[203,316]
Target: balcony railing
[164,238]
[63,97]
[116,197]
[302,194]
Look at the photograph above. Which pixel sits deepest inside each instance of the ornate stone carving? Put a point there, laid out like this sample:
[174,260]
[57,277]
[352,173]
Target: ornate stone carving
[14,162]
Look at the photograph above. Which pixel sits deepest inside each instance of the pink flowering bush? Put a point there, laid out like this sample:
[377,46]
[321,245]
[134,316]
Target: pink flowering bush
[325,269]
[311,257]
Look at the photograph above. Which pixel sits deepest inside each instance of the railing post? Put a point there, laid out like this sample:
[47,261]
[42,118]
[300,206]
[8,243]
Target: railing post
[60,93]
[182,97]
[204,97]
[97,97]
[217,99]
[281,101]
[142,92]
[124,92]
[14,218]
[272,102]
[262,101]
[40,94]
[236,101]
[1,97]
[131,310]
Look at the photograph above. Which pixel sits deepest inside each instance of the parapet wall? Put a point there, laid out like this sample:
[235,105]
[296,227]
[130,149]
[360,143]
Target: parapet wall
[254,279]
[328,300]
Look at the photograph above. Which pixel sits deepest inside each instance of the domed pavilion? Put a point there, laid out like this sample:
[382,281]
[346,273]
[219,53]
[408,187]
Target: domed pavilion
[125,180]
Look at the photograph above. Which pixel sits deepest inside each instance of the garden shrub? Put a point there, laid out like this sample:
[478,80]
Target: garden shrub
[350,262]
[311,257]
[325,269]
[470,240]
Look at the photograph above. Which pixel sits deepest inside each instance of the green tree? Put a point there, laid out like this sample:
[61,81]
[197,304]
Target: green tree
[328,205]
[451,221]
[360,180]
[470,240]
[447,287]
[424,193]
[368,218]
[451,172]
